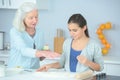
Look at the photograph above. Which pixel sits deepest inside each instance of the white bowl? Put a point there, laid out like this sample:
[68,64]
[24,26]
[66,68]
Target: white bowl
[13,71]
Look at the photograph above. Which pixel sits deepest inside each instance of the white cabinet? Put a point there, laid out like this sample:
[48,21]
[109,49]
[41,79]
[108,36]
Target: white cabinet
[3,60]
[4,57]
[112,66]
[113,69]
[15,4]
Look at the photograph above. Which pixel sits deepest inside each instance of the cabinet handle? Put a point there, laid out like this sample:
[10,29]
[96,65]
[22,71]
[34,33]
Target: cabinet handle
[10,2]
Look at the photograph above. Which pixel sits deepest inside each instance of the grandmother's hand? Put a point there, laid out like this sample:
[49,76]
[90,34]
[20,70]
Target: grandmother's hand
[47,54]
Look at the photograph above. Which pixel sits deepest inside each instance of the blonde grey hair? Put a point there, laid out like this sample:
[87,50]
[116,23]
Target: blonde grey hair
[18,21]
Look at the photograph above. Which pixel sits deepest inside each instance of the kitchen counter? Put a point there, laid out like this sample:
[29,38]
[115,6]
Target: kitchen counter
[51,76]
[57,74]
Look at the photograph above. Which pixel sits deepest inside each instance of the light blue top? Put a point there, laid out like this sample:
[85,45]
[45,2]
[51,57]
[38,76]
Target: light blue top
[22,53]
[92,51]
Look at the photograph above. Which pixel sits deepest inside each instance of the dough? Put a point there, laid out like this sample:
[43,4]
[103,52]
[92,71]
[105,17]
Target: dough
[84,75]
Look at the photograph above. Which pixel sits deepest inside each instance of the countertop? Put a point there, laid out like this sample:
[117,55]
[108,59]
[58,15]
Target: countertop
[33,75]
[52,76]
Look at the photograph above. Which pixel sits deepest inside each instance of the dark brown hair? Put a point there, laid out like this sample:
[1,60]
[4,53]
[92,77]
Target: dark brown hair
[80,20]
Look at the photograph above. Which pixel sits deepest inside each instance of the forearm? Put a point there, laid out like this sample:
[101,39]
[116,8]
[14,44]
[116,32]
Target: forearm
[55,65]
[93,65]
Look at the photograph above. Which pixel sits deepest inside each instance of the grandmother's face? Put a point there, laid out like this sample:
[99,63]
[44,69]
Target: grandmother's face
[31,19]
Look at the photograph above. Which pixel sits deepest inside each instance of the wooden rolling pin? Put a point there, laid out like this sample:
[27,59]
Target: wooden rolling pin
[84,75]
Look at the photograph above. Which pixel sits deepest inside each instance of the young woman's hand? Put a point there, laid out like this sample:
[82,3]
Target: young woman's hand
[43,68]
[82,59]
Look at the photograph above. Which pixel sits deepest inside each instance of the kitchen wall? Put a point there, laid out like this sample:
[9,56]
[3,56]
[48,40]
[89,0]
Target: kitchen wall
[96,12]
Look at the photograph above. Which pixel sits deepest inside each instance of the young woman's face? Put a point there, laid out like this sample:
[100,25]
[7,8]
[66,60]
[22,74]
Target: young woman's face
[31,19]
[75,31]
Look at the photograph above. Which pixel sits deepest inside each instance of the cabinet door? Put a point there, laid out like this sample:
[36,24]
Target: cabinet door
[4,60]
[1,3]
[15,4]
[113,69]
[4,3]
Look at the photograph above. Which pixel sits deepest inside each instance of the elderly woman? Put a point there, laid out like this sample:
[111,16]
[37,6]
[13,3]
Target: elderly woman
[27,39]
